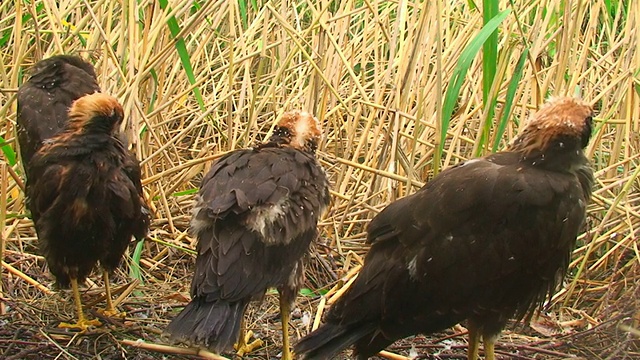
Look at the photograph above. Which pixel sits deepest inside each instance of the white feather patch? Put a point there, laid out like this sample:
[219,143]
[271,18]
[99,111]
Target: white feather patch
[261,218]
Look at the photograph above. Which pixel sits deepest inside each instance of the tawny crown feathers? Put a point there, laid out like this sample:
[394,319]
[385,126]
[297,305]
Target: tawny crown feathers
[96,107]
[303,128]
[560,117]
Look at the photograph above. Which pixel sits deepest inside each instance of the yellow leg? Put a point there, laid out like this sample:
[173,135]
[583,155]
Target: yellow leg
[111,310]
[489,347]
[243,346]
[83,323]
[107,290]
[474,340]
[285,315]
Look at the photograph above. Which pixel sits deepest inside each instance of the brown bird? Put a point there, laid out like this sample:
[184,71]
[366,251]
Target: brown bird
[44,100]
[85,197]
[255,217]
[485,241]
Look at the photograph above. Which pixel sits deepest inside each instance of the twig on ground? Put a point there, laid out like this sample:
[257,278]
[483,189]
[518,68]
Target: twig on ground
[533,349]
[392,356]
[22,354]
[630,330]
[55,343]
[26,278]
[167,349]
[123,291]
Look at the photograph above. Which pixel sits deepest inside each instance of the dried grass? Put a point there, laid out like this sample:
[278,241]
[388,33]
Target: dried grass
[374,72]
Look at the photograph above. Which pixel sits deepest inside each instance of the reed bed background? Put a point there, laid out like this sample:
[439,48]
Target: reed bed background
[404,89]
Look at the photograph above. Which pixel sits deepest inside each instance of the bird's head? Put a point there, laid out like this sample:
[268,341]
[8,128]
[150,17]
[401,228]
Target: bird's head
[299,130]
[97,112]
[562,126]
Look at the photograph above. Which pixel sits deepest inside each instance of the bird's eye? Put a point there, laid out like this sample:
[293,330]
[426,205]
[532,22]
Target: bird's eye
[282,131]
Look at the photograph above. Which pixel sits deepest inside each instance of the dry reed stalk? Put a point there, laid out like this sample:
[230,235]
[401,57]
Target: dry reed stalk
[173,350]
[319,311]
[392,356]
[26,278]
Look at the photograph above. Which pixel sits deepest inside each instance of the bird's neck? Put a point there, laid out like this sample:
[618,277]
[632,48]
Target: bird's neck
[571,162]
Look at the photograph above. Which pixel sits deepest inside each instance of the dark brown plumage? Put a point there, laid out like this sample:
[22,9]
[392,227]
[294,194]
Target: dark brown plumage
[486,240]
[85,196]
[44,100]
[255,217]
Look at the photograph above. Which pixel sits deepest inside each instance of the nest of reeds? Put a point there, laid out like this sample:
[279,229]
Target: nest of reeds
[400,90]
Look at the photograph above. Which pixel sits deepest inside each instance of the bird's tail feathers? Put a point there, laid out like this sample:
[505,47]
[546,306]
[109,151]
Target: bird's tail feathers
[213,325]
[330,339]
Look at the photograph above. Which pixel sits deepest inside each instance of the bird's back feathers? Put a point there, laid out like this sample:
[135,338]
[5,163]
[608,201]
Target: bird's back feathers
[44,100]
[255,216]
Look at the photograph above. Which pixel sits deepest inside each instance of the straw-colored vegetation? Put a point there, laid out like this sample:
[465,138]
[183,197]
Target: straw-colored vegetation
[388,79]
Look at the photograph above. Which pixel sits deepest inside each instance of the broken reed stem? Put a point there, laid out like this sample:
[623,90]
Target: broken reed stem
[342,290]
[337,291]
[26,278]
[335,288]
[392,356]
[127,291]
[633,331]
[334,294]
[172,349]
[14,176]
[123,291]
[57,345]
[319,312]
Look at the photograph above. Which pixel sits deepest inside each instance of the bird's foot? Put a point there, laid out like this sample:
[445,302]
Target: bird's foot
[82,324]
[245,347]
[112,313]
[286,355]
